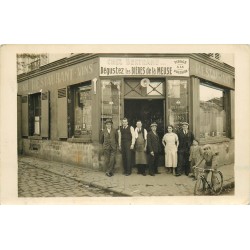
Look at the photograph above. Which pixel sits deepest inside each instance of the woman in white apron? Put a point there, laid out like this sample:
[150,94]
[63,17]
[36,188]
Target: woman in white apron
[170,142]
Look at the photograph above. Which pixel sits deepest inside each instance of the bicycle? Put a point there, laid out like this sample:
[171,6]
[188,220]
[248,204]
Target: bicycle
[203,186]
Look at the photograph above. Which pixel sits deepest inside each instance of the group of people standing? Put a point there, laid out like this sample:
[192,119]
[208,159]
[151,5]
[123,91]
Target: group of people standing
[147,147]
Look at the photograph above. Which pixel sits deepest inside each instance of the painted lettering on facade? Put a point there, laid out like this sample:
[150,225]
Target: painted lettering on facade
[60,78]
[211,74]
[144,66]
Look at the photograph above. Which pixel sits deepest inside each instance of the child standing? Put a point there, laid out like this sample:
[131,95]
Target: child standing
[194,158]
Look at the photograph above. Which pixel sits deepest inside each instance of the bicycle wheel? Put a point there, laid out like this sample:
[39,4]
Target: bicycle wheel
[199,188]
[217,182]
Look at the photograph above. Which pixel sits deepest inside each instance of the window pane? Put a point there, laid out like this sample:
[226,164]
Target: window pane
[143,88]
[35,114]
[82,111]
[111,101]
[177,102]
[155,88]
[212,112]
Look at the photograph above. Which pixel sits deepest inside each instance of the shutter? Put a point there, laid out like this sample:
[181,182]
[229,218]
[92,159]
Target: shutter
[45,114]
[62,113]
[25,115]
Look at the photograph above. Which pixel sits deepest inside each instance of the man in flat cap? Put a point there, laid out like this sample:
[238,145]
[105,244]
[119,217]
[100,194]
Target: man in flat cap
[109,139]
[186,138]
[154,148]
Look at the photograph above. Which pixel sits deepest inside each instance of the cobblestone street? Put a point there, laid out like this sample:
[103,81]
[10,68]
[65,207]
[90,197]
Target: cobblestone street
[41,178]
[35,182]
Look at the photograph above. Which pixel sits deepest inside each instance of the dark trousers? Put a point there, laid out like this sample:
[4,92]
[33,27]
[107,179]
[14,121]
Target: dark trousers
[109,156]
[126,157]
[141,168]
[183,162]
[153,163]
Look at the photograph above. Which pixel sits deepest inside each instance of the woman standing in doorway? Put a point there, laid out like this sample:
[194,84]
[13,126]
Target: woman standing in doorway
[170,142]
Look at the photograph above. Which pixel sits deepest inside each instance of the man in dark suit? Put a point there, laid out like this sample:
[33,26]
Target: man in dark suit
[109,139]
[154,148]
[126,144]
[186,138]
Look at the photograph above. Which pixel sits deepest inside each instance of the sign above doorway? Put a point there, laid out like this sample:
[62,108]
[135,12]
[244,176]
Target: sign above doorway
[114,66]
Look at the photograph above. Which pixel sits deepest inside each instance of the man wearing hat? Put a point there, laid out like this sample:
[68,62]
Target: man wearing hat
[186,138]
[109,140]
[154,148]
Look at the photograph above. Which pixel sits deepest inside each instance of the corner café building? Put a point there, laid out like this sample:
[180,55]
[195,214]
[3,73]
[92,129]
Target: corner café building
[62,106]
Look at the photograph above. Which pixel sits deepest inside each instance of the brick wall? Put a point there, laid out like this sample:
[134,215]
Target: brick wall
[90,155]
[82,154]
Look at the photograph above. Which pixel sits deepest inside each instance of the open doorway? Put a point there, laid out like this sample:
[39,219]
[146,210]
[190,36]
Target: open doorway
[146,110]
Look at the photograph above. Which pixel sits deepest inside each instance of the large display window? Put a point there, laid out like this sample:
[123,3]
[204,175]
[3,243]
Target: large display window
[110,102]
[177,102]
[80,110]
[212,112]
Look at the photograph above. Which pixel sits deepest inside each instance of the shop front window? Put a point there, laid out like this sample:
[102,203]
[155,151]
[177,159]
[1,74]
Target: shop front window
[177,102]
[82,110]
[111,102]
[212,112]
[35,114]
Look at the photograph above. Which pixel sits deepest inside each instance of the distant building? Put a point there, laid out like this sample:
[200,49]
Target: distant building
[30,62]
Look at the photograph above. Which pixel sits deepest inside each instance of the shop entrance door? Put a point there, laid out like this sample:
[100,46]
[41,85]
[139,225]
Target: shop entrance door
[146,110]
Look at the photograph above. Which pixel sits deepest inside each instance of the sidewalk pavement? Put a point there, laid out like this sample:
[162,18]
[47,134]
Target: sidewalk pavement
[134,185]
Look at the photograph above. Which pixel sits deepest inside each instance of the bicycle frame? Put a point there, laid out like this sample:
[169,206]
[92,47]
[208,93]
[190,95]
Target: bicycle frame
[209,184]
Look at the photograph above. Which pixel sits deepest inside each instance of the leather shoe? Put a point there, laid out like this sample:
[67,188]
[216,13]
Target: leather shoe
[108,174]
[177,174]
[144,174]
[152,174]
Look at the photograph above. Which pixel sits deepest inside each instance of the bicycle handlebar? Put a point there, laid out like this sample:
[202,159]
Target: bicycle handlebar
[207,169]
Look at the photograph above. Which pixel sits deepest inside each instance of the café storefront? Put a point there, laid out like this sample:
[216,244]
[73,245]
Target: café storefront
[65,104]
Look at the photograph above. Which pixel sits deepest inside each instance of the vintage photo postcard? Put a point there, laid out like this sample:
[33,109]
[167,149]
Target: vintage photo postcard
[125,124]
